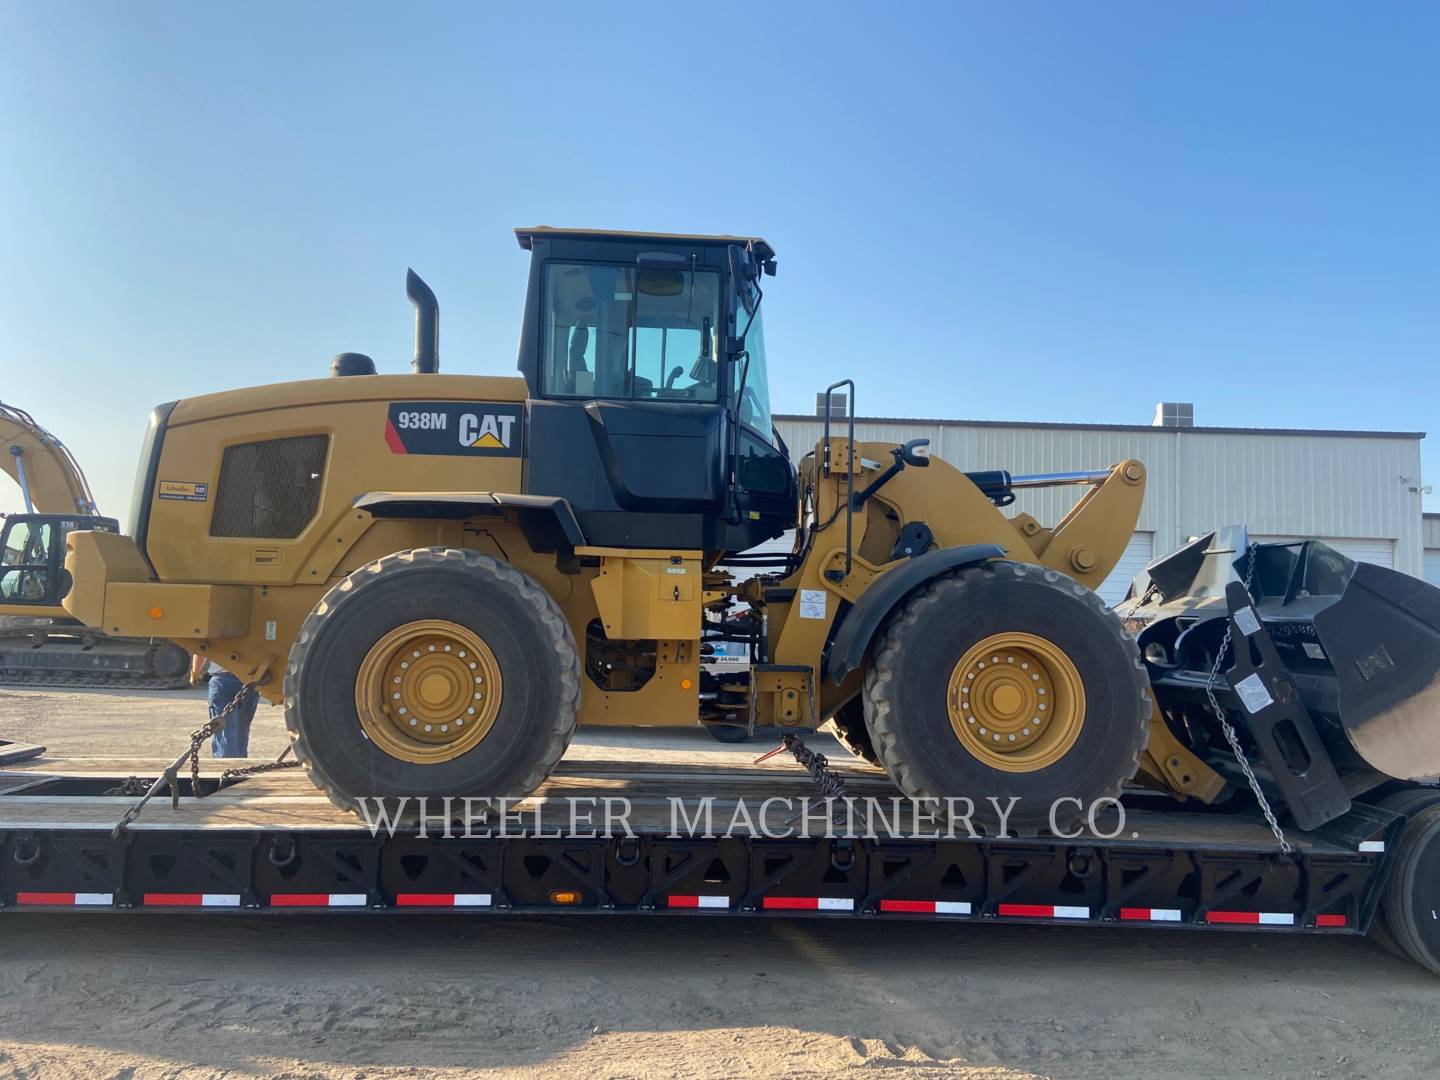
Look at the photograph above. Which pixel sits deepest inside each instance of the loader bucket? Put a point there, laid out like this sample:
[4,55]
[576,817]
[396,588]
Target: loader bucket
[1360,644]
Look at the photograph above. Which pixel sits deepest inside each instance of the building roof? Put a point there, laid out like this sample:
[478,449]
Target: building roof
[523,235]
[1150,428]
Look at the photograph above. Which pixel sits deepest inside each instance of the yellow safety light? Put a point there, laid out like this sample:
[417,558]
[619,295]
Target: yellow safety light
[156,612]
[685,684]
[562,897]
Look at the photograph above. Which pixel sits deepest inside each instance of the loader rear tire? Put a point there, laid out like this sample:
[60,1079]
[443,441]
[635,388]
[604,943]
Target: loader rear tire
[1058,680]
[464,616]
[851,732]
[1408,904]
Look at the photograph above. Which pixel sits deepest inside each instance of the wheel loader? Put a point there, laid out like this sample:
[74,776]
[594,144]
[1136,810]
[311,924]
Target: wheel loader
[439,575]
[40,643]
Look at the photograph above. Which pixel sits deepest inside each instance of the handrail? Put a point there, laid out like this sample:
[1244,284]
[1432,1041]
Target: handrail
[849,468]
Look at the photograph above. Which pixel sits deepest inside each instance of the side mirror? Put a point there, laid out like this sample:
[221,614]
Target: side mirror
[743,273]
[916,452]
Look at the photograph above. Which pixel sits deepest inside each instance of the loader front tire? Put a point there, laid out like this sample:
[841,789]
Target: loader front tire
[1007,681]
[429,673]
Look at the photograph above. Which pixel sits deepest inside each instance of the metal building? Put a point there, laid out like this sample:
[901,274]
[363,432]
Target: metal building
[1359,491]
[1432,548]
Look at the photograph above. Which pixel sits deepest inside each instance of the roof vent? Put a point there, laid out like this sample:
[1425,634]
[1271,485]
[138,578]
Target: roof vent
[1176,414]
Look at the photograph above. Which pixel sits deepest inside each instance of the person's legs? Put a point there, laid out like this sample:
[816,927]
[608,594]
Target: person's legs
[233,739]
[238,724]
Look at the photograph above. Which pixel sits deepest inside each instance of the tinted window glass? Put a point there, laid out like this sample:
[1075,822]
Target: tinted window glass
[631,333]
[755,398]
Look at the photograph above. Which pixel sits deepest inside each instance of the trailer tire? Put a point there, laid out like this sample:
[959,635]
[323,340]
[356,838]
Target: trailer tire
[530,653]
[851,732]
[1408,904]
[1085,747]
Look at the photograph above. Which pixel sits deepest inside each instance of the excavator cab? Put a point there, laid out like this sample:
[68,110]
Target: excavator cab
[649,411]
[32,556]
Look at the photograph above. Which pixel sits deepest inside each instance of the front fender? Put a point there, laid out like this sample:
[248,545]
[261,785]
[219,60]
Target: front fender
[852,639]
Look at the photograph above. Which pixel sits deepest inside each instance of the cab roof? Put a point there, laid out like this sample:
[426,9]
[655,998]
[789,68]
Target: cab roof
[526,235]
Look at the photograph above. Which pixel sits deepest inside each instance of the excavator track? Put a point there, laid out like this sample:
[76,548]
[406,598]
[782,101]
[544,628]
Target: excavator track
[31,657]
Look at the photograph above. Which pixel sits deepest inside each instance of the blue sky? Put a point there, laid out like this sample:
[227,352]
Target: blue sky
[992,211]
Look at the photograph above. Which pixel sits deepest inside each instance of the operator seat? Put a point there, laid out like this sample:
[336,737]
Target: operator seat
[575,366]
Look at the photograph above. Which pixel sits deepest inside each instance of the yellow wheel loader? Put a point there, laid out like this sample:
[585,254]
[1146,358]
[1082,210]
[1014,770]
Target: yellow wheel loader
[40,643]
[440,575]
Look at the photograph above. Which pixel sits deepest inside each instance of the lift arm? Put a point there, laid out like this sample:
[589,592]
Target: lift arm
[50,478]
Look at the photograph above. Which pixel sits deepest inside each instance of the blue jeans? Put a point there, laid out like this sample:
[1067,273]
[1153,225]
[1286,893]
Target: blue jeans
[233,740]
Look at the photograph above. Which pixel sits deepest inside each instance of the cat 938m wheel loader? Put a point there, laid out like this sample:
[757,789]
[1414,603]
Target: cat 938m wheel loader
[439,575]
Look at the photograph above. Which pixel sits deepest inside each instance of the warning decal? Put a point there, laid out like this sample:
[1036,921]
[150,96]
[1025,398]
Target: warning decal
[466,428]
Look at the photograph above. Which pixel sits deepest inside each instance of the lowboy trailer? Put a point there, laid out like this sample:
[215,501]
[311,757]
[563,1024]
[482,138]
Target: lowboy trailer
[269,844]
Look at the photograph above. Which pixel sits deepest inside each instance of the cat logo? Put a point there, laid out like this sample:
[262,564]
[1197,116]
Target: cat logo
[463,428]
[486,429]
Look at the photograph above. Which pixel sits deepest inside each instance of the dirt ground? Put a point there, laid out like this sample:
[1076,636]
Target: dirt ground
[91,995]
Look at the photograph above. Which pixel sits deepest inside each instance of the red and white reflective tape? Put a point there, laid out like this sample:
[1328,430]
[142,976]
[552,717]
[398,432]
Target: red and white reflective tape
[1252,918]
[445,900]
[927,907]
[192,899]
[1044,911]
[1372,847]
[66,899]
[807,903]
[319,899]
[721,902]
[1150,914]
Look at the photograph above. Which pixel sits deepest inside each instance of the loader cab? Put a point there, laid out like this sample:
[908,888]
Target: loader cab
[649,410]
[32,555]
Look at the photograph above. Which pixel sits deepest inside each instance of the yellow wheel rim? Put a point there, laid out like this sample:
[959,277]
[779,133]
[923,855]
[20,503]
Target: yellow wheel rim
[1016,702]
[428,691]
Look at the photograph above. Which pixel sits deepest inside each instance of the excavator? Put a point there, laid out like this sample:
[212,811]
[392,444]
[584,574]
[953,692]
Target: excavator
[440,575]
[40,643]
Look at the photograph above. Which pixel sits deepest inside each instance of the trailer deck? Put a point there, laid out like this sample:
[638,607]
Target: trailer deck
[272,843]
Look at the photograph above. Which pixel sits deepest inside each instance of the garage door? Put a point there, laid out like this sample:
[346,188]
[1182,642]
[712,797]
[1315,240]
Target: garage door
[1138,554]
[1379,552]
[1432,565]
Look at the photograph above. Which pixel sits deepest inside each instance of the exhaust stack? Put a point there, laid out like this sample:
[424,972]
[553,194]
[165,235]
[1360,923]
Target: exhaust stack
[427,325]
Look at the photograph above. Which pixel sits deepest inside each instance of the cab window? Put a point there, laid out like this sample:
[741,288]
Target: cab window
[25,561]
[755,397]
[631,333]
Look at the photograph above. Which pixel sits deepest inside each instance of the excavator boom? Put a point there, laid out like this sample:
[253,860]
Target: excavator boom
[50,479]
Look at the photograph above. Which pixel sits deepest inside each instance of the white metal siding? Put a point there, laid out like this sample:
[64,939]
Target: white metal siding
[1379,552]
[1432,531]
[1281,483]
[1432,565]
[1138,554]
[780,545]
